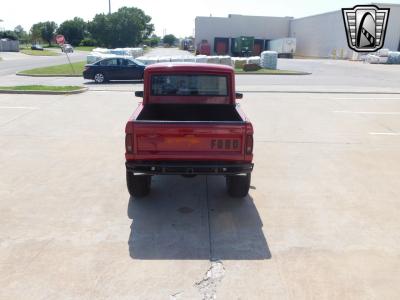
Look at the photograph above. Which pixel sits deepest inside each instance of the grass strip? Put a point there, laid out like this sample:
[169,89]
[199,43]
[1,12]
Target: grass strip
[46,88]
[85,48]
[64,69]
[39,52]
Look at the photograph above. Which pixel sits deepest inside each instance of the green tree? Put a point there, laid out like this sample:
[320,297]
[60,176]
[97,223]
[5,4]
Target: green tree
[169,39]
[8,34]
[100,29]
[19,31]
[43,31]
[48,30]
[36,32]
[129,26]
[21,34]
[152,41]
[73,30]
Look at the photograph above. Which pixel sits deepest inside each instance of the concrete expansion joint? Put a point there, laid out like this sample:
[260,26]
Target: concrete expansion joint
[208,285]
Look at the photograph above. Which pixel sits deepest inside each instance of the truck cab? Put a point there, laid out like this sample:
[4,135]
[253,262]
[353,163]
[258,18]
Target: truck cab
[189,124]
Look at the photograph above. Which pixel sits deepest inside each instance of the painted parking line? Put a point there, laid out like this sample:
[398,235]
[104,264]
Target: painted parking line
[19,107]
[385,133]
[367,112]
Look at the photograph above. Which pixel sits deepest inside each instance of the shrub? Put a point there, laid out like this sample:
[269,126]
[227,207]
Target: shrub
[251,67]
[88,42]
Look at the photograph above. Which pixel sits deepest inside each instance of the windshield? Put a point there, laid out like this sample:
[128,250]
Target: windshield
[189,85]
[139,63]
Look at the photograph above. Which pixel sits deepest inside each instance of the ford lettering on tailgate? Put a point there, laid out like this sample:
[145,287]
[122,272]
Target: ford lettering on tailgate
[225,144]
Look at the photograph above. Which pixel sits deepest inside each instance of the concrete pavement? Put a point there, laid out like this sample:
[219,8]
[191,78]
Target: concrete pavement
[321,220]
[168,52]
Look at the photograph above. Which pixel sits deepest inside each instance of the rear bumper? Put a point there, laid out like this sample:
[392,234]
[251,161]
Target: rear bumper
[188,168]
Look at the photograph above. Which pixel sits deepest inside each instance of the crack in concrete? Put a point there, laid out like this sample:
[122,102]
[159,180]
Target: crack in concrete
[208,285]
[175,296]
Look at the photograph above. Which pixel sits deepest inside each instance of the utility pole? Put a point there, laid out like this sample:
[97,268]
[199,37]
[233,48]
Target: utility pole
[109,7]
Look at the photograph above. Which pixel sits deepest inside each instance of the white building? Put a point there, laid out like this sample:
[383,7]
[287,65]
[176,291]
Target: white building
[324,35]
[320,35]
[265,28]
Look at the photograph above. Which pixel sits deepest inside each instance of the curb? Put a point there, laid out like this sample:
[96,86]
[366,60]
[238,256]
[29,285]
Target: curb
[47,75]
[82,90]
[257,73]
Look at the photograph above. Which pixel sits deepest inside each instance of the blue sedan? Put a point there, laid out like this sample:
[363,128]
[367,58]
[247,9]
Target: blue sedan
[114,69]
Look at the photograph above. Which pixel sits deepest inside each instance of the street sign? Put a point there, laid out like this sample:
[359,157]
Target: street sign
[60,39]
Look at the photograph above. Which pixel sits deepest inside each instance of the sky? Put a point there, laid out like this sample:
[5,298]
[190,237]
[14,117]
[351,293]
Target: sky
[170,16]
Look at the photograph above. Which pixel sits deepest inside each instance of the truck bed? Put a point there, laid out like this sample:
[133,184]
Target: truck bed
[190,112]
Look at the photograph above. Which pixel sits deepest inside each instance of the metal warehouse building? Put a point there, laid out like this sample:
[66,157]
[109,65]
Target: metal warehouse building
[215,29]
[321,35]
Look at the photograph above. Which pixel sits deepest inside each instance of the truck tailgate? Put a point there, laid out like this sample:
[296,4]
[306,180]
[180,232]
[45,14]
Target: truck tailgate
[189,141]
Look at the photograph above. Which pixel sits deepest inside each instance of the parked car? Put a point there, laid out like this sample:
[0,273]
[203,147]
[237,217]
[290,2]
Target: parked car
[189,124]
[36,47]
[67,48]
[114,69]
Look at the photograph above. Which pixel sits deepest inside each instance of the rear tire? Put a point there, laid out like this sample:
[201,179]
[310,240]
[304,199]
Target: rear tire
[138,185]
[238,185]
[99,78]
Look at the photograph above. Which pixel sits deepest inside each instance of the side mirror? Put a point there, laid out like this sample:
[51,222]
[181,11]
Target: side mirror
[139,94]
[239,96]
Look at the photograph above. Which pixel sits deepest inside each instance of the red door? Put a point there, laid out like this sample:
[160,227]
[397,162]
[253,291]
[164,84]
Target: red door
[257,49]
[222,48]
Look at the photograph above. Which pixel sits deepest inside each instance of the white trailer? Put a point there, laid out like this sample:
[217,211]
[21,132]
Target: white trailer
[286,47]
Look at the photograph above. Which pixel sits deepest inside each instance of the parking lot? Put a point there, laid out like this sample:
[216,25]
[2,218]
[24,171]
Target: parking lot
[326,75]
[321,220]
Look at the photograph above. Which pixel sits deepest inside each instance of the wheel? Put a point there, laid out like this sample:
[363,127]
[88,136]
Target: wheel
[238,185]
[99,78]
[138,185]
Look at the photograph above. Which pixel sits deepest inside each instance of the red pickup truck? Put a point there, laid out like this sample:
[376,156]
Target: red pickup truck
[188,124]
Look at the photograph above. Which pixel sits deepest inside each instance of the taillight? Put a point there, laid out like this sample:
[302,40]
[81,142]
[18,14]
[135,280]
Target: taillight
[249,144]
[128,143]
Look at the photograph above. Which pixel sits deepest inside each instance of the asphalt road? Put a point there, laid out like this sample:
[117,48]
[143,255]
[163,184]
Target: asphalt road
[321,220]
[327,75]
[13,62]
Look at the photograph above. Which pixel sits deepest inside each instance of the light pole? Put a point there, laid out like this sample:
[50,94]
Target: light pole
[109,7]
